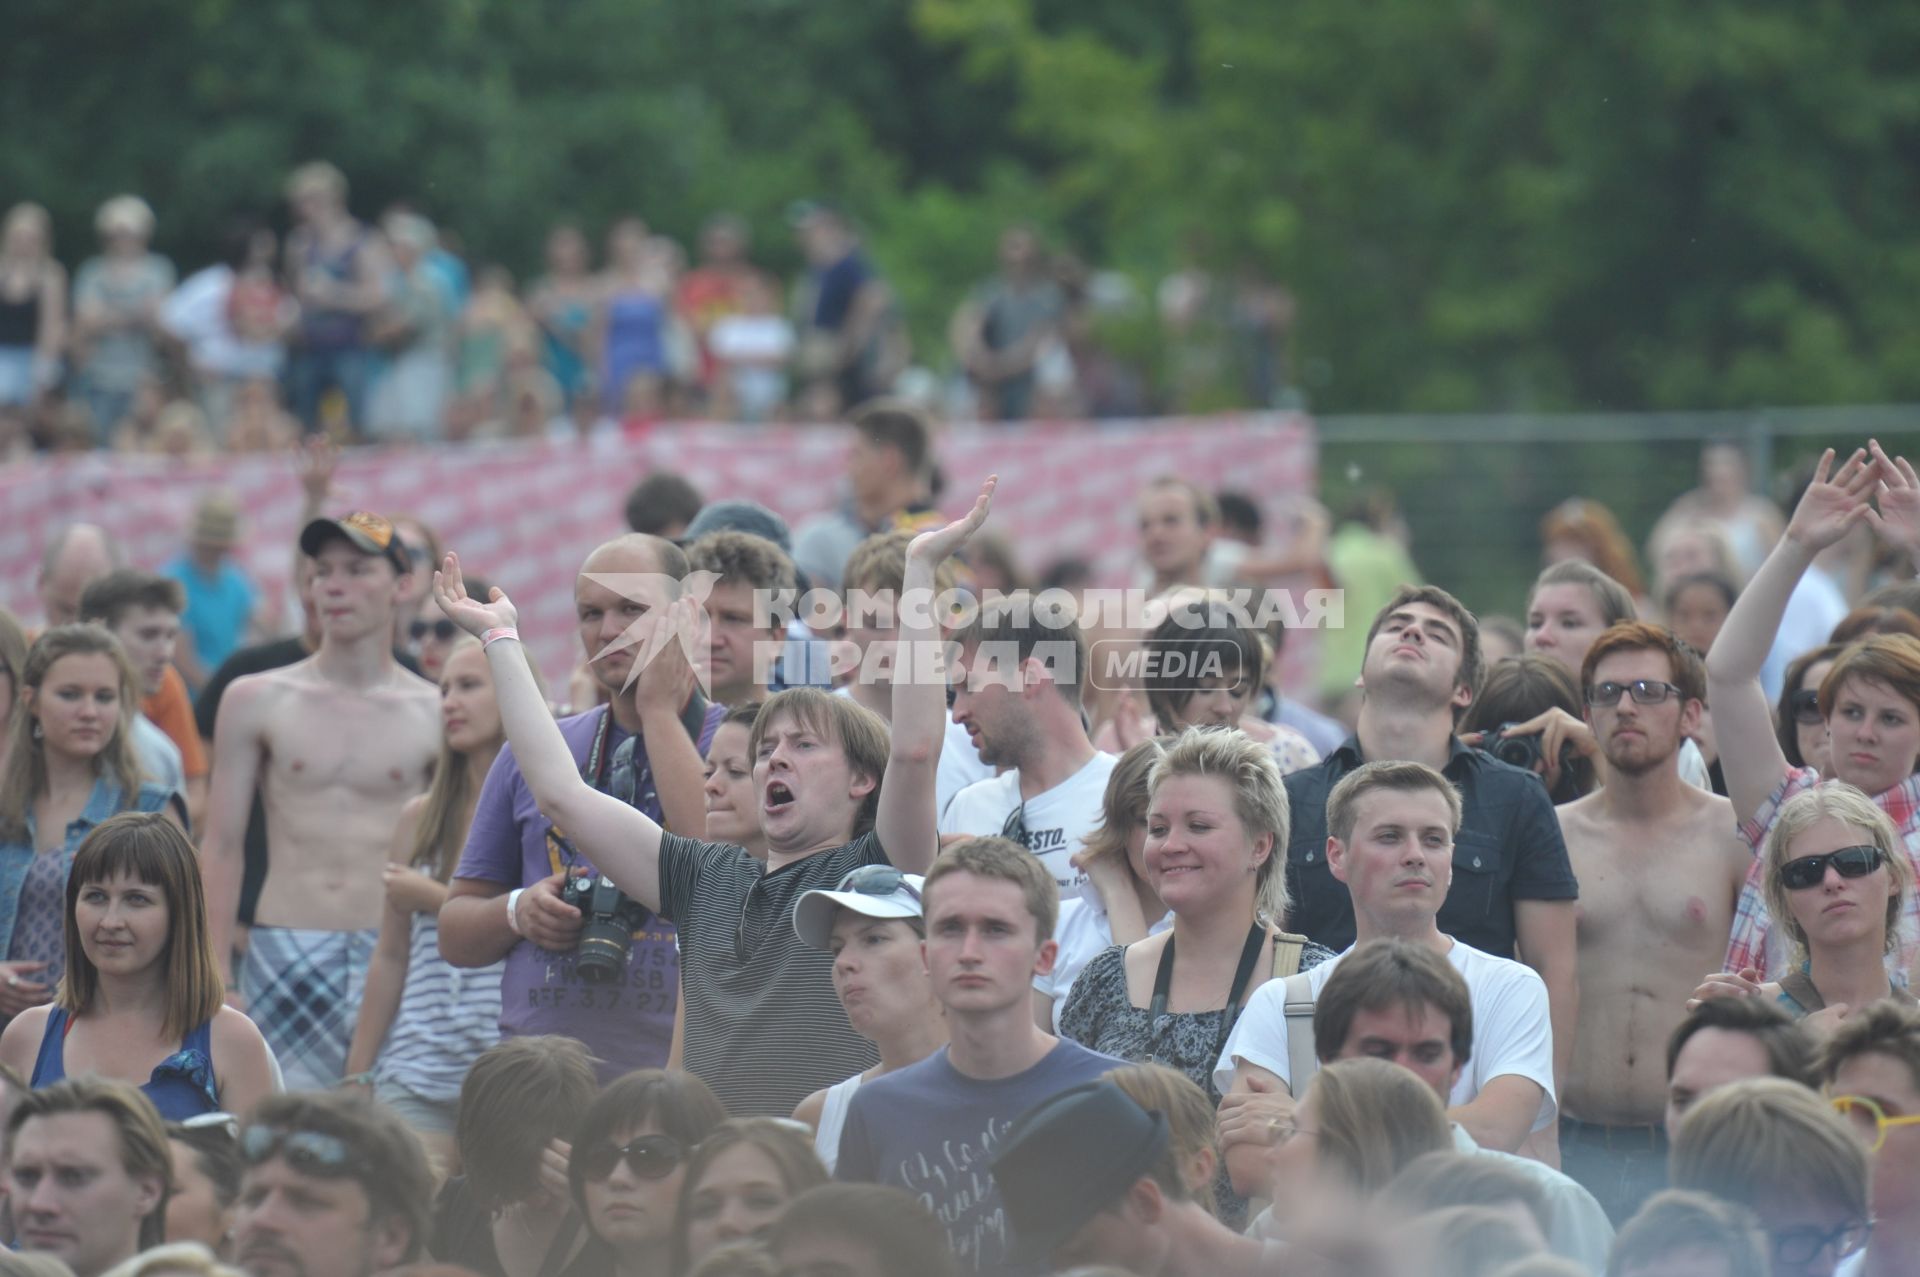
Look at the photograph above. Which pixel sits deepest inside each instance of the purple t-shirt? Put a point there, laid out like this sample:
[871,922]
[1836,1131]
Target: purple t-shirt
[626,1026]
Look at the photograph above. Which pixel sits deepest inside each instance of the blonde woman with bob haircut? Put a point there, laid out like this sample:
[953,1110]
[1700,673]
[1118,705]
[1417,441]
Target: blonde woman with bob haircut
[1119,906]
[142,1001]
[1836,881]
[1779,1149]
[1214,854]
[1360,1123]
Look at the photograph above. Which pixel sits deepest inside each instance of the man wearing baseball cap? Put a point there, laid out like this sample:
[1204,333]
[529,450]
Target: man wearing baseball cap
[1087,1179]
[873,926]
[336,744]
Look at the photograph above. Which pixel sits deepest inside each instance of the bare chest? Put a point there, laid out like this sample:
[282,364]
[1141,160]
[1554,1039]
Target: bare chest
[377,747]
[1673,891]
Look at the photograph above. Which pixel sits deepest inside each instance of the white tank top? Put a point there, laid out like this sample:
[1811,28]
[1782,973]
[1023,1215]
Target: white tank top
[833,1118]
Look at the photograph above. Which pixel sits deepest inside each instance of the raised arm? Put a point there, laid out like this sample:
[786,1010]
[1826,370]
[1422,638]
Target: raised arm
[907,821]
[619,839]
[661,694]
[1750,755]
[236,771]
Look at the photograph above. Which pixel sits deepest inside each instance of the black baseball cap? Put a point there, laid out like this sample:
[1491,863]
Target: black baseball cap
[1069,1158]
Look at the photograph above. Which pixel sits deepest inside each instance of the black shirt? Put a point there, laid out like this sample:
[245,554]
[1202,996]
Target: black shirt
[1509,848]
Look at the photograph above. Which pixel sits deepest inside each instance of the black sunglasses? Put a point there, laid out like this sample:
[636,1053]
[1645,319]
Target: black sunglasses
[309,1152]
[1794,1247]
[1645,691]
[878,880]
[443,629]
[1804,705]
[1811,871]
[649,1157]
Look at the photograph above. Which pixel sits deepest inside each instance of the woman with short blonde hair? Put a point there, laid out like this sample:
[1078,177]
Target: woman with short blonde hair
[1217,822]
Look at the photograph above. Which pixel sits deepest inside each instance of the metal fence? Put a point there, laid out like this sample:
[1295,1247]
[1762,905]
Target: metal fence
[1475,488]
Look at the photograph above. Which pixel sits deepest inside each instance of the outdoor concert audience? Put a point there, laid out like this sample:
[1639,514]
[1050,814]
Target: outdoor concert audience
[897,991]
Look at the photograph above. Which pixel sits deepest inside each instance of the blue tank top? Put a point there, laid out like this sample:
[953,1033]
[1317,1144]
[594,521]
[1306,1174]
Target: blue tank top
[182,1085]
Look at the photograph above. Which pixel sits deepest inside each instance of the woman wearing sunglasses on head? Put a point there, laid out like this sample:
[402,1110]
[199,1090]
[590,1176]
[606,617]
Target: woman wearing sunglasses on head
[141,1000]
[1836,882]
[1869,699]
[873,926]
[626,1170]
[737,1183]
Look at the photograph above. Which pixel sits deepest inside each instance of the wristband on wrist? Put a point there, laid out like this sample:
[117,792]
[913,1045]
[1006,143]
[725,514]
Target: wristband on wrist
[497,633]
[513,910]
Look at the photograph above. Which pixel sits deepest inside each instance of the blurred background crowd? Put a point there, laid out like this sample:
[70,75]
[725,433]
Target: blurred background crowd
[388,331]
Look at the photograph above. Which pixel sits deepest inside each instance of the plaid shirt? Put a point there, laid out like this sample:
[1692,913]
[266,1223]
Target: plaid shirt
[1755,941]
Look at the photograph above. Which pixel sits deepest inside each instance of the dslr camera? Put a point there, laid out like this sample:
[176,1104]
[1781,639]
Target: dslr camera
[609,917]
[1522,751]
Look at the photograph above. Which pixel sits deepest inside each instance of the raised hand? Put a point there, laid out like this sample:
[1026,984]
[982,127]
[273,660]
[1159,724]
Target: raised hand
[1898,496]
[935,545]
[1833,505]
[665,678]
[314,463]
[470,614]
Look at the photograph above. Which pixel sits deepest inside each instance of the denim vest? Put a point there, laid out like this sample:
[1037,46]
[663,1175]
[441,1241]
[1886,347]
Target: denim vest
[17,857]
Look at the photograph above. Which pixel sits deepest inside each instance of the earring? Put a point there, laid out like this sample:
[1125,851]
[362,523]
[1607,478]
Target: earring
[38,731]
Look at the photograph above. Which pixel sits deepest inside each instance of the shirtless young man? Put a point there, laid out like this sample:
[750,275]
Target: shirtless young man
[337,744]
[1660,868]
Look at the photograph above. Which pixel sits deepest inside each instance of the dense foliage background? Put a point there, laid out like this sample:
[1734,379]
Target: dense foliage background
[1480,204]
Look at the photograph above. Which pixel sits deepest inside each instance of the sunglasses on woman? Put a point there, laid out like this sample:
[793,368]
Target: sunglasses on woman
[1804,705]
[649,1157]
[443,630]
[878,880]
[1849,862]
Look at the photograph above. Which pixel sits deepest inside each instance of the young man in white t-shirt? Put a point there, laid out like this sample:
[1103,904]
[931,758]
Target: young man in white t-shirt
[1017,692]
[1390,840]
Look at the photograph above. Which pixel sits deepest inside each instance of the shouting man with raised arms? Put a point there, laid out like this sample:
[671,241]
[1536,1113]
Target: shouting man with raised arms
[763,1027]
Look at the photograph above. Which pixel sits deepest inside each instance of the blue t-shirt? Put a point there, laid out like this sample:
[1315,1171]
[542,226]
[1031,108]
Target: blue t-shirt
[217,608]
[931,1130]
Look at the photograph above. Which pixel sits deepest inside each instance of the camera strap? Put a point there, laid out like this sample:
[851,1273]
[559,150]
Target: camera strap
[611,771]
[1249,954]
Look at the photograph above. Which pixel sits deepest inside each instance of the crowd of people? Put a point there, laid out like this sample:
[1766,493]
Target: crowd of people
[389,330]
[924,944]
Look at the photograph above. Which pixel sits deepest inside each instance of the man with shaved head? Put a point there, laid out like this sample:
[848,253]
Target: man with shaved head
[505,899]
[77,556]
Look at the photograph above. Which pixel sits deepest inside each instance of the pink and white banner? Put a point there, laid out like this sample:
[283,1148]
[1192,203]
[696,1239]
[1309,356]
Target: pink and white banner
[524,514]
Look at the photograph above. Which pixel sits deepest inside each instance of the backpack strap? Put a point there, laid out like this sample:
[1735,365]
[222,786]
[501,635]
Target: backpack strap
[1796,984]
[1302,1063]
[1287,948]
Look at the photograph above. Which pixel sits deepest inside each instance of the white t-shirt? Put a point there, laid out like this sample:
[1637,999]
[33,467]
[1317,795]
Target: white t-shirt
[1057,822]
[1083,934]
[960,766]
[1512,1034]
[1577,1226]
